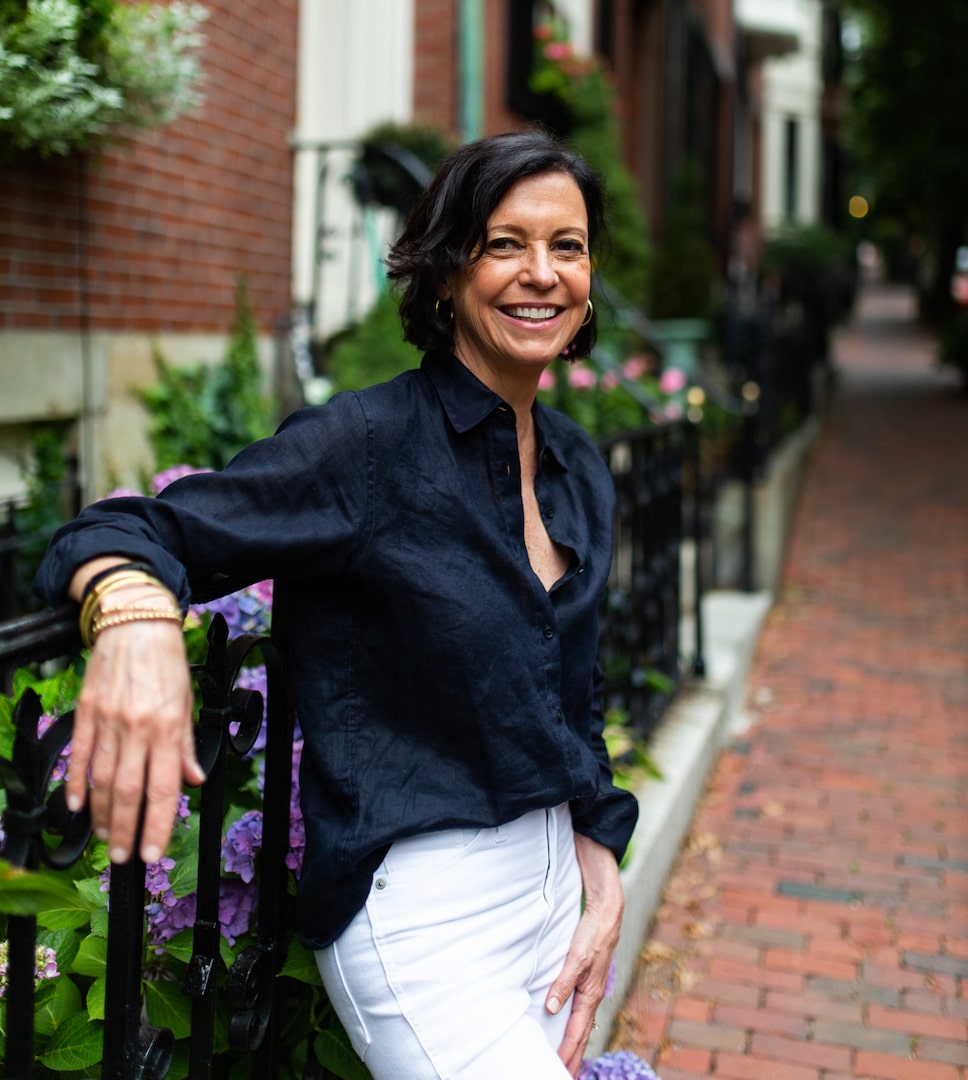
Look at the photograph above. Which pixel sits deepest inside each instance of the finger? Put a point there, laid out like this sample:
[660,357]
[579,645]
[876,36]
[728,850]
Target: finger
[161,800]
[577,1032]
[102,771]
[126,795]
[191,769]
[82,744]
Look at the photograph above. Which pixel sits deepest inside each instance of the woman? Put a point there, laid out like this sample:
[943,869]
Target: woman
[440,545]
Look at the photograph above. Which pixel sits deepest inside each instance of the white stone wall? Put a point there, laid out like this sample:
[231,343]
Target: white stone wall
[355,71]
[792,87]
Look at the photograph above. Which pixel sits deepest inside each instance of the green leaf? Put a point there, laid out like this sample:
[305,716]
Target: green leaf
[178,1069]
[90,890]
[301,965]
[99,922]
[76,1044]
[167,1006]
[92,957]
[181,946]
[335,1053]
[95,998]
[183,878]
[64,942]
[64,918]
[56,1000]
[27,892]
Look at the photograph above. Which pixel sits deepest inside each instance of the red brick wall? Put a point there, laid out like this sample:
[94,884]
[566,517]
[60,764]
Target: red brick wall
[435,69]
[170,219]
[497,116]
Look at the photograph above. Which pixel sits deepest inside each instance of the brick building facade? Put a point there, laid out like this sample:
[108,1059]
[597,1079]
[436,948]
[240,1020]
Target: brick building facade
[104,252]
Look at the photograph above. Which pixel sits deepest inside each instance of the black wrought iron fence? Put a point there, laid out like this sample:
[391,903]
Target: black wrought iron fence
[41,833]
[641,617]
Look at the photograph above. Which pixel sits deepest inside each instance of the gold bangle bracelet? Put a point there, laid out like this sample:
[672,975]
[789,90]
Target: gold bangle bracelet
[122,616]
[112,583]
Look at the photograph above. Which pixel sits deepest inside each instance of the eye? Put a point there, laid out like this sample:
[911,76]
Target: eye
[502,244]
[569,246]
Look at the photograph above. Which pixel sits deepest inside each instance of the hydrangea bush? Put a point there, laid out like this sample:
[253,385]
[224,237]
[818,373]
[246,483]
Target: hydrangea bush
[72,938]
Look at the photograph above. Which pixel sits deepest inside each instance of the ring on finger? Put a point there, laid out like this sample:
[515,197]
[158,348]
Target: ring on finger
[594,1025]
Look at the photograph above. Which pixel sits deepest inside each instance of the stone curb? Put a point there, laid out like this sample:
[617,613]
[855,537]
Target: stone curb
[685,748]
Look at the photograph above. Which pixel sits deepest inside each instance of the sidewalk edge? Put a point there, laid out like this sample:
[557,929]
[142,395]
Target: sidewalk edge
[685,748]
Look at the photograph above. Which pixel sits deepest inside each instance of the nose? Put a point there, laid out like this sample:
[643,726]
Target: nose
[538,269]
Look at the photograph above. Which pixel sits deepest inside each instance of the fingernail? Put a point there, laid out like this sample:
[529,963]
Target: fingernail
[101,833]
[74,803]
[118,855]
[151,854]
[553,1005]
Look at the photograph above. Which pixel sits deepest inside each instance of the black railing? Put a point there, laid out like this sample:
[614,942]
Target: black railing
[229,720]
[641,615]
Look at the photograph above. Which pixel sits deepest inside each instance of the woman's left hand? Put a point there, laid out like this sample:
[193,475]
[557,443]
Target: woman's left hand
[586,965]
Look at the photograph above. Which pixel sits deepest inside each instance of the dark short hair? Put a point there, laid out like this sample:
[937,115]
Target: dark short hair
[448,225]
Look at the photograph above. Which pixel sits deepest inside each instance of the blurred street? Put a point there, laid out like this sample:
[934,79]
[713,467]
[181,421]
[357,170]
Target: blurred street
[815,926]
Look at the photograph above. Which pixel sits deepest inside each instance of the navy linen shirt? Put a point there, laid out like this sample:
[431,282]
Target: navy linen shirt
[438,684]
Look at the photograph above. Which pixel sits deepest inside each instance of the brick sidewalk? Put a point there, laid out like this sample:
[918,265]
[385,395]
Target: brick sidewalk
[816,924]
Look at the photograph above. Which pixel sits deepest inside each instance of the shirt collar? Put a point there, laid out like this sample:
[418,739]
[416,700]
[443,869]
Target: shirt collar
[468,402]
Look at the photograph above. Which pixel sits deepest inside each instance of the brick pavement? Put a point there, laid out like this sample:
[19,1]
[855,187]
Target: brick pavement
[815,926]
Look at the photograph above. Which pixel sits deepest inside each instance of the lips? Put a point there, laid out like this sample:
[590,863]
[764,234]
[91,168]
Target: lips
[531,311]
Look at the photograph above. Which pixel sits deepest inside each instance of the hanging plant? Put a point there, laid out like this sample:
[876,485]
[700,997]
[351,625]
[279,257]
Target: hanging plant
[74,73]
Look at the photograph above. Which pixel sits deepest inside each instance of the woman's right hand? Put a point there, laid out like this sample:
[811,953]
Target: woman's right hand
[133,733]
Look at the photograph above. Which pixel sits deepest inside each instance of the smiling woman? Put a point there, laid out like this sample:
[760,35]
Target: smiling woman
[439,546]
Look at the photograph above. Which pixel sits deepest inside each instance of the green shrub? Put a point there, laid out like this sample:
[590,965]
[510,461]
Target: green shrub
[73,73]
[373,350]
[205,414]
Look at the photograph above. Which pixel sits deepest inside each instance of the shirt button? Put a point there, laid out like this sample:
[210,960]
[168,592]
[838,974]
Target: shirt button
[548,632]
[380,883]
[549,512]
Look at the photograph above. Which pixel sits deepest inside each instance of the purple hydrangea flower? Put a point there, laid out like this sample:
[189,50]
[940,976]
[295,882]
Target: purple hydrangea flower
[60,766]
[619,1065]
[242,844]
[610,980]
[45,964]
[237,902]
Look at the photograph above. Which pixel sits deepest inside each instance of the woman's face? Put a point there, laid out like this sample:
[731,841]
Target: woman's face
[524,299]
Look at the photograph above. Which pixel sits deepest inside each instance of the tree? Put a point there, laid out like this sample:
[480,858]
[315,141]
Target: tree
[908,126]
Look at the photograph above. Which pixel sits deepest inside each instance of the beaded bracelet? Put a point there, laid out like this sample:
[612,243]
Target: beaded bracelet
[134,613]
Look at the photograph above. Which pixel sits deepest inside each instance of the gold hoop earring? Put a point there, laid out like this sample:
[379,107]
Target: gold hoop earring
[590,315]
[438,317]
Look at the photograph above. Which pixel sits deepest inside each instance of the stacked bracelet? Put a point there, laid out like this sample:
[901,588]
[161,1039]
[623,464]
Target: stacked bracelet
[93,619]
[134,613]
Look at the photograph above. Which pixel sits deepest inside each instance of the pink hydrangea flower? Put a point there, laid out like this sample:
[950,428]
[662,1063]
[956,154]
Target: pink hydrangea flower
[547,380]
[168,476]
[557,50]
[635,367]
[581,378]
[672,380]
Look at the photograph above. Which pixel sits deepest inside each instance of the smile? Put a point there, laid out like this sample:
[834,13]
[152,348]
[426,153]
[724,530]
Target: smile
[536,313]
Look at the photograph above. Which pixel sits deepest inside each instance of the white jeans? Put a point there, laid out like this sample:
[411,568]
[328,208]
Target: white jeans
[444,973]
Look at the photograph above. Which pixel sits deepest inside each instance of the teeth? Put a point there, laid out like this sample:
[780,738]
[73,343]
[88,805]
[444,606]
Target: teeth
[532,312]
